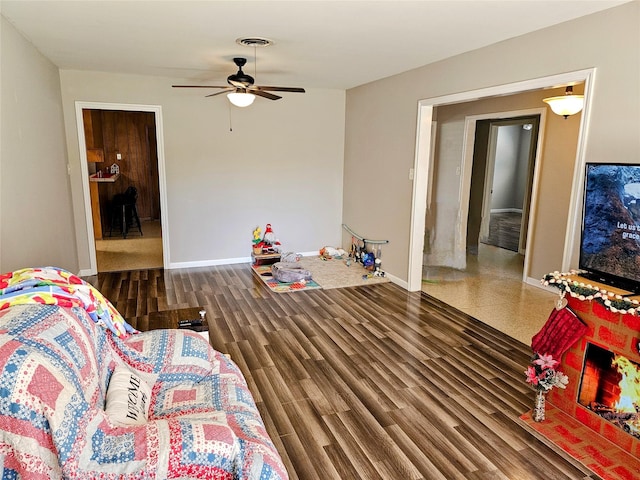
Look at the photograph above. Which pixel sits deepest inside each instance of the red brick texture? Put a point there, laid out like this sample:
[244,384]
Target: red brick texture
[617,332]
[594,451]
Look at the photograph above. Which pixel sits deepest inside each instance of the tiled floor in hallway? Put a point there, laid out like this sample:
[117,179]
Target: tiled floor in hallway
[491,289]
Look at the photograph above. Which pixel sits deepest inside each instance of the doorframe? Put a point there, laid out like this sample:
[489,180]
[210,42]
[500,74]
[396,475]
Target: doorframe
[422,160]
[84,170]
[531,180]
[489,172]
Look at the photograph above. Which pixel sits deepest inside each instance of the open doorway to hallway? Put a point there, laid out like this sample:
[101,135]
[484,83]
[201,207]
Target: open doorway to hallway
[122,163]
[433,205]
[502,149]
[502,179]
[498,286]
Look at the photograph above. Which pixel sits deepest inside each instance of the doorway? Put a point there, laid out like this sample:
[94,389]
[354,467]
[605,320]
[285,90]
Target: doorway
[503,170]
[125,194]
[121,148]
[422,191]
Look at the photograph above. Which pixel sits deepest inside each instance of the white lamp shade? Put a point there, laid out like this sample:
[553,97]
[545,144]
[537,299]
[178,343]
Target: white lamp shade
[565,105]
[241,99]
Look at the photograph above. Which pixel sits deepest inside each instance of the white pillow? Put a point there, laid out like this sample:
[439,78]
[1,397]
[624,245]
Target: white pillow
[128,397]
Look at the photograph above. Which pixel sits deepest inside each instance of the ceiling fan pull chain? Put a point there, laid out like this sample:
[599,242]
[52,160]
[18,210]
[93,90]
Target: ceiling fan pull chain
[230,125]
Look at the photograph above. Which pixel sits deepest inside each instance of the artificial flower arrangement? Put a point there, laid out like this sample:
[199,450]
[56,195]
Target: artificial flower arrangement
[542,373]
[257,241]
[256,236]
[611,301]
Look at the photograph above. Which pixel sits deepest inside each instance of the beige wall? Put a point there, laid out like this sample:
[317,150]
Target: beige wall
[281,164]
[36,215]
[381,118]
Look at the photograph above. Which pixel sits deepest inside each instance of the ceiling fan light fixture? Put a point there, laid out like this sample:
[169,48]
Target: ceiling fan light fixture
[240,99]
[567,104]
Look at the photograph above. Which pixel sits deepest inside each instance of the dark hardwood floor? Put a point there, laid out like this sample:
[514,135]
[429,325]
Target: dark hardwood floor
[365,382]
[504,230]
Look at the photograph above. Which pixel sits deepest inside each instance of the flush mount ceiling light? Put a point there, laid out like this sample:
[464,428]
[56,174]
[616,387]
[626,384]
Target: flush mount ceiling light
[567,104]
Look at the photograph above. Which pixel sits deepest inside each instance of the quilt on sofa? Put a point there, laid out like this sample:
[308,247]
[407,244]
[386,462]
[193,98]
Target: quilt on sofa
[55,369]
[56,286]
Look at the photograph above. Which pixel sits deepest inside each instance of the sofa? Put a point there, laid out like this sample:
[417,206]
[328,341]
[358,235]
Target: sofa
[83,395]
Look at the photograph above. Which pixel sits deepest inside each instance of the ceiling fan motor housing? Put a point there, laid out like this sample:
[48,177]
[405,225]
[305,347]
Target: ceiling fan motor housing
[240,79]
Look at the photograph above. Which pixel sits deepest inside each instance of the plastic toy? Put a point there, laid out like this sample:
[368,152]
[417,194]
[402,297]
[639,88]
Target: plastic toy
[270,243]
[256,235]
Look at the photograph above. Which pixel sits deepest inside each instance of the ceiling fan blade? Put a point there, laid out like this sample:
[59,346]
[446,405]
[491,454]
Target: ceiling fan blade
[260,93]
[239,84]
[281,89]
[199,86]
[227,89]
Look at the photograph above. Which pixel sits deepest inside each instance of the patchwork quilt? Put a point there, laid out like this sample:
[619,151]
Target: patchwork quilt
[55,367]
[55,286]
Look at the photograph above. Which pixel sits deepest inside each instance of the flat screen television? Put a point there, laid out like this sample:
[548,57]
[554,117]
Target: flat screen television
[610,239]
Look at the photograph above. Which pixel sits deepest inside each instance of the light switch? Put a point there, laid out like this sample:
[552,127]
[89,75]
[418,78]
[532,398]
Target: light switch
[118,156]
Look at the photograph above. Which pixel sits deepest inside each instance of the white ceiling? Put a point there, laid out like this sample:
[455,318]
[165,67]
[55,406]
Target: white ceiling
[317,44]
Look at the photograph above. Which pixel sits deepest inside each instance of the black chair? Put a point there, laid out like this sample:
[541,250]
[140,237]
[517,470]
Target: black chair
[124,213]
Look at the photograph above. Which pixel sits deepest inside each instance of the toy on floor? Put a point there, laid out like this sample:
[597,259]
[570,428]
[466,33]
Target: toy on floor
[377,273]
[257,242]
[327,253]
[270,243]
[256,235]
[366,252]
[290,257]
[285,272]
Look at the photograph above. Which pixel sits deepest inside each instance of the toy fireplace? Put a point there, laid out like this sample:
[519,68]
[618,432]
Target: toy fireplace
[610,387]
[594,396]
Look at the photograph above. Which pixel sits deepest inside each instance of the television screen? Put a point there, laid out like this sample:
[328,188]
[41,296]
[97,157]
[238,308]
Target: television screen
[610,242]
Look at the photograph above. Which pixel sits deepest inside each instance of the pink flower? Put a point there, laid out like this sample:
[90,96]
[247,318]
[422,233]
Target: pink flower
[545,361]
[532,377]
[542,374]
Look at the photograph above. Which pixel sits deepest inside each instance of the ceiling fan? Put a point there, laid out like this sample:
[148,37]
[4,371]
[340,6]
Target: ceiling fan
[241,87]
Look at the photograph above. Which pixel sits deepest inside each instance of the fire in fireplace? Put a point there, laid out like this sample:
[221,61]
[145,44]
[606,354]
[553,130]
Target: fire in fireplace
[610,387]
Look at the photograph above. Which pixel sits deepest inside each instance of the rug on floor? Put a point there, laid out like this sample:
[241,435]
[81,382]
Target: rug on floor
[332,273]
[264,273]
[335,273]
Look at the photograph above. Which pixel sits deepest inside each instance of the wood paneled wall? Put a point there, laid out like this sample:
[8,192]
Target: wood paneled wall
[133,136]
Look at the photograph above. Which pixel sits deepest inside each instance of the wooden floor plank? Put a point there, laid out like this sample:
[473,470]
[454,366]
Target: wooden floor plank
[368,382]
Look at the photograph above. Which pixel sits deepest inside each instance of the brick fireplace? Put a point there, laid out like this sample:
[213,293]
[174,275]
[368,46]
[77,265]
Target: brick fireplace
[615,332]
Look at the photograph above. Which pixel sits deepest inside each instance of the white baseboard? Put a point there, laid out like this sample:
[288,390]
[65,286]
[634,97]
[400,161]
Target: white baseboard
[209,263]
[314,253]
[398,281]
[506,210]
[535,282]
[224,261]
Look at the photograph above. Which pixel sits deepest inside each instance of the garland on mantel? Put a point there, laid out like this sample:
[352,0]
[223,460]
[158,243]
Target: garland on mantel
[584,291]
